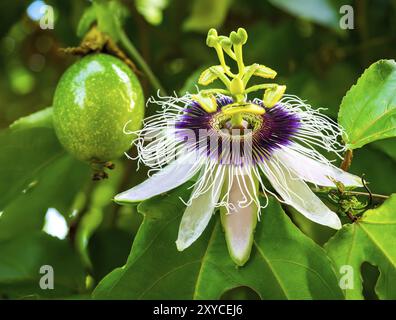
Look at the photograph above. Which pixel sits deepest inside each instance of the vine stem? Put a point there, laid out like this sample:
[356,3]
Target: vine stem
[359,193]
[128,45]
[374,195]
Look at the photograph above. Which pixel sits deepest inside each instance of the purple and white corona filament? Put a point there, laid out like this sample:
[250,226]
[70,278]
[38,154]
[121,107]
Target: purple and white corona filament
[238,150]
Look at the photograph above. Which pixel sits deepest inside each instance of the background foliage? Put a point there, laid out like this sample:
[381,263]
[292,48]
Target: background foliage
[292,258]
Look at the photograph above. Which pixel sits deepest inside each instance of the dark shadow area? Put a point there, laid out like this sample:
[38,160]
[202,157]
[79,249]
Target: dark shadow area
[370,276]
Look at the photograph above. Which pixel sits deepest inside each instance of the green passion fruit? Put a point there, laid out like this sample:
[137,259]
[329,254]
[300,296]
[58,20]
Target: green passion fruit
[94,100]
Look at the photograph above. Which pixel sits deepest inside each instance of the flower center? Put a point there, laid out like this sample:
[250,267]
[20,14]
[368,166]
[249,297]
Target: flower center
[222,124]
[250,140]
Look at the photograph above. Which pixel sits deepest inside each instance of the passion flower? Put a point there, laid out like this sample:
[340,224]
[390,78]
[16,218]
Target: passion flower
[94,99]
[232,143]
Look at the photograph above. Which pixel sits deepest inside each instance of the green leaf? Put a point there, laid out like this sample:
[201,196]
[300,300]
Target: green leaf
[206,14]
[151,10]
[240,293]
[54,187]
[368,111]
[39,119]
[318,11]
[318,233]
[371,239]
[284,263]
[42,175]
[109,249]
[22,258]
[25,153]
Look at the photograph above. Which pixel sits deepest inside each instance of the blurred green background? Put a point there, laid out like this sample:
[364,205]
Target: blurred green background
[301,39]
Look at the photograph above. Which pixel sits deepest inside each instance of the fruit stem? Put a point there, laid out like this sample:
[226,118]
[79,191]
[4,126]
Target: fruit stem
[347,161]
[140,61]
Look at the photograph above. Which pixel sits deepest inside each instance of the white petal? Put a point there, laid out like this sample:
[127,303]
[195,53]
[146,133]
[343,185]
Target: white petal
[314,171]
[173,175]
[239,224]
[196,216]
[296,193]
